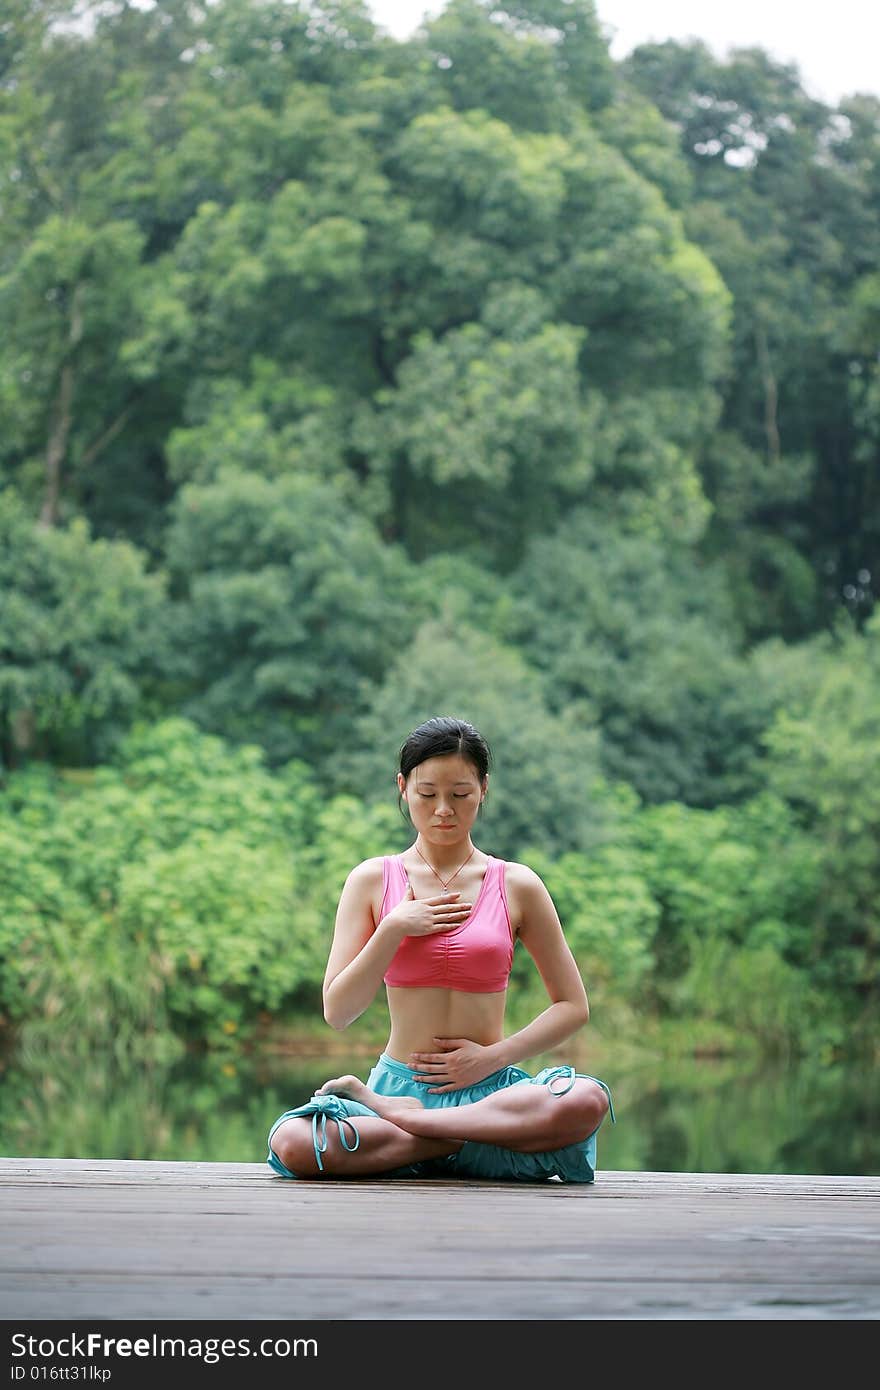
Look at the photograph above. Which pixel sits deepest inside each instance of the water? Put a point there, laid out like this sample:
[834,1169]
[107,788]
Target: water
[694,1116]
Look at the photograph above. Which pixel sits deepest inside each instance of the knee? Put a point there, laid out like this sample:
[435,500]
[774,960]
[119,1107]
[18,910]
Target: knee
[292,1143]
[586,1107]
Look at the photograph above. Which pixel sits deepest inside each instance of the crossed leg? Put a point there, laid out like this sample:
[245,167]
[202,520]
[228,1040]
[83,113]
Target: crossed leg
[383,1146]
[526,1118]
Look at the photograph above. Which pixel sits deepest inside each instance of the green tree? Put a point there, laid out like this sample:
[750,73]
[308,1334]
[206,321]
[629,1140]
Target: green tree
[71,253]
[734,889]
[287,604]
[82,636]
[785,203]
[533,64]
[485,435]
[635,630]
[184,890]
[823,756]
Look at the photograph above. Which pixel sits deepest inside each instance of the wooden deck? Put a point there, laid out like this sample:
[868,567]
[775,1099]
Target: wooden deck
[82,1238]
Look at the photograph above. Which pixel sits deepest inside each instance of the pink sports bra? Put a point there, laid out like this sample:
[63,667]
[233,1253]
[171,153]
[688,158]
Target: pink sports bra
[475,956]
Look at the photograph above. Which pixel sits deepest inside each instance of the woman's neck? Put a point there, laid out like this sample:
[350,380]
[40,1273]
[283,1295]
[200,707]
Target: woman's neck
[445,859]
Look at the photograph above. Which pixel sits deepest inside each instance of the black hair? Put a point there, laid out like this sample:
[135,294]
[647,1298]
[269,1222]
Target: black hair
[438,738]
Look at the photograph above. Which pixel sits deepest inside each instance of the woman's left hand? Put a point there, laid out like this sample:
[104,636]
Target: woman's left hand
[461,1062]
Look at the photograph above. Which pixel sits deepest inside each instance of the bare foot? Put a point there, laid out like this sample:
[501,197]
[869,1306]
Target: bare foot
[354,1088]
[348,1085]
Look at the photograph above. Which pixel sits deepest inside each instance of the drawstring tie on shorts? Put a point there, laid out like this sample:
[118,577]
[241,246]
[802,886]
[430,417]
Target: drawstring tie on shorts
[510,1075]
[330,1108]
[550,1074]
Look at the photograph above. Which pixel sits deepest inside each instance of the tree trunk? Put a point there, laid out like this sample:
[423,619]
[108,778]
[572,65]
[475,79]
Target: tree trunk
[56,449]
[771,428]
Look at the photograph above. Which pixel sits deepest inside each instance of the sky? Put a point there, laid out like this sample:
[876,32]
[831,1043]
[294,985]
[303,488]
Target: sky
[836,47]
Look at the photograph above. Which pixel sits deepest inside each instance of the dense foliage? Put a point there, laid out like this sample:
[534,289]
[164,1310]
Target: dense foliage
[345,381]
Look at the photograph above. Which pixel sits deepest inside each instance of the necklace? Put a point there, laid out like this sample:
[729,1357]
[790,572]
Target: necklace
[434,871]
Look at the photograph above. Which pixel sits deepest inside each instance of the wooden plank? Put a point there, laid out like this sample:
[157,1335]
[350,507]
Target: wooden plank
[91,1171]
[128,1239]
[280,1297]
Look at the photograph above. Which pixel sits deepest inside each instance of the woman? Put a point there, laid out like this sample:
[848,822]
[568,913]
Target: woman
[438,925]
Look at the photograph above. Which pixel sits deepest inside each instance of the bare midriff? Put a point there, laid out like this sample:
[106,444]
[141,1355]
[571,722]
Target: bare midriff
[418,1016]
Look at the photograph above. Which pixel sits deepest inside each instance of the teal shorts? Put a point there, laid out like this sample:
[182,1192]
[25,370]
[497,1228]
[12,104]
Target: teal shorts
[574,1163]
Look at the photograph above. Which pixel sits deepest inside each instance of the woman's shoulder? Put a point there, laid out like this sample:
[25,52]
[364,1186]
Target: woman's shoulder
[369,872]
[521,875]
[525,889]
[527,895]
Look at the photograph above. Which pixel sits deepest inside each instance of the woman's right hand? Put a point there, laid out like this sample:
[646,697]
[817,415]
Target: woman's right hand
[426,916]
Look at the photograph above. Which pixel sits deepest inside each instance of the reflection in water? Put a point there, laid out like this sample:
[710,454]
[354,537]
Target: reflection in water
[687,1117]
[704,1117]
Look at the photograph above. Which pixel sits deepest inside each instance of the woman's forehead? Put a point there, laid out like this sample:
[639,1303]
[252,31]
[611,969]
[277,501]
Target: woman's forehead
[448,770]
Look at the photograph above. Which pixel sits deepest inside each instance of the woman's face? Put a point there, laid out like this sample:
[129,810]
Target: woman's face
[443,796]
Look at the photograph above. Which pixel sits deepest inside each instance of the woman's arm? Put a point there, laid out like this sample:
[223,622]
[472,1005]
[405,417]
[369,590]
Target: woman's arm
[361,952]
[461,1062]
[540,931]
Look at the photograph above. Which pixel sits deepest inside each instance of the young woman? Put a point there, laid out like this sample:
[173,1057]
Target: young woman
[438,924]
